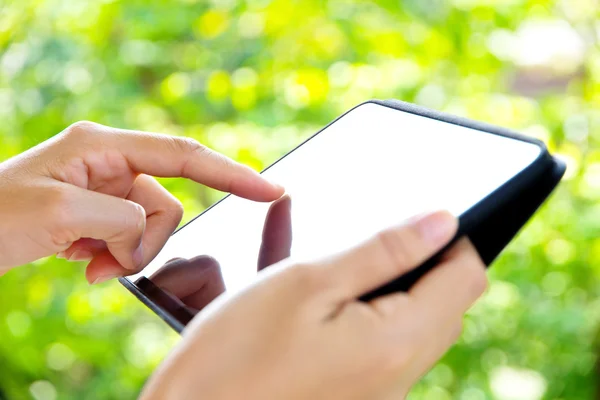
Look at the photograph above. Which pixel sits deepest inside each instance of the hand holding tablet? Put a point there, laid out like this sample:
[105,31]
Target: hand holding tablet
[298,332]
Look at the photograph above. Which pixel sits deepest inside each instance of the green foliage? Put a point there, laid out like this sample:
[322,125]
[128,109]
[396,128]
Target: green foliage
[252,79]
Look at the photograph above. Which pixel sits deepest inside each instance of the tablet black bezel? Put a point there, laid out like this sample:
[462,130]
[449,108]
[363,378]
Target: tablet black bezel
[467,220]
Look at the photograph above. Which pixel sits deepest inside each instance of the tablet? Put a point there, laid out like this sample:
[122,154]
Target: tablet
[375,166]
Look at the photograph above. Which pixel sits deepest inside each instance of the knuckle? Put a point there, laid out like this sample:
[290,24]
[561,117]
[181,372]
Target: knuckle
[188,145]
[393,306]
[80,130]
[189,148]
[59,206]
[395,247]
[193,148]
[57,199]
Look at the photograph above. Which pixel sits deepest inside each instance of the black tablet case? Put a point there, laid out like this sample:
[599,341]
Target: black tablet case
[495,221]
[490,225]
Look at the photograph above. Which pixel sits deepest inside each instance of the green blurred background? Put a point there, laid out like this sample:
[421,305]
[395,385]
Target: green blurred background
[252,79]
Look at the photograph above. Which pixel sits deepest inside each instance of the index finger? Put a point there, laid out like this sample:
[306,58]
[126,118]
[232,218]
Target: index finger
[173,156]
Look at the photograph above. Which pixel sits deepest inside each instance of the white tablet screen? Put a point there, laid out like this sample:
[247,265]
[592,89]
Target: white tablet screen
[372,168]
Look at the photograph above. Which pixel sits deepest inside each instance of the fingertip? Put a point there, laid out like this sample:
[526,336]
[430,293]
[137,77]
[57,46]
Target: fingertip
[131,261]
[275,190]
[260,190]
[270,189]
[104,267]
[279,189]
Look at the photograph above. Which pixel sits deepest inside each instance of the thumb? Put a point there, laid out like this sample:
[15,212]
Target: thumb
[118,222]
[389,255]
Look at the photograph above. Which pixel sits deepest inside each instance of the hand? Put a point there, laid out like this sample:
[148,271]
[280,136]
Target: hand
[87,194]
[193,284]
[299,333]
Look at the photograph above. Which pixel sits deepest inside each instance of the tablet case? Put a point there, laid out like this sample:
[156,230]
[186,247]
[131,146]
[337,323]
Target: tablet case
[490,225]
[496,220]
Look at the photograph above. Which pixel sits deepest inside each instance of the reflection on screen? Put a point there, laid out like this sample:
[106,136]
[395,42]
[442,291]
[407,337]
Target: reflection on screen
[371,169]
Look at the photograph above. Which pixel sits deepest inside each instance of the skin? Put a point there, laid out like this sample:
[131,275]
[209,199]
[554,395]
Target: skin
[298,332]
[196,282]
[88,195]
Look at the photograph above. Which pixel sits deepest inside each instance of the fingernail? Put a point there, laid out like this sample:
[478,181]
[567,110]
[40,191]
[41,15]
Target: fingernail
[61,255]
[104,278]
[437,227]
[138,256]
[81,255]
